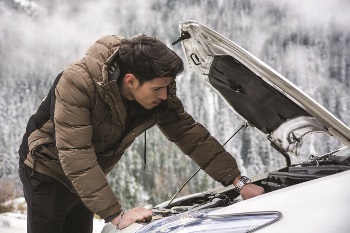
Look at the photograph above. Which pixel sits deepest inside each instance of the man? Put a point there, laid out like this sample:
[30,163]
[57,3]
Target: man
[92,114]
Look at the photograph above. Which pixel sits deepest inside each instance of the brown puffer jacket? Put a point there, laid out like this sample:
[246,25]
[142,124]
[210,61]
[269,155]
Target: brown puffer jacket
[79,132]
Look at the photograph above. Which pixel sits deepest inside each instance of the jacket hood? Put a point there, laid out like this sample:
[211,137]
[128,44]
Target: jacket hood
[98,58]
[256,92]
[100,55]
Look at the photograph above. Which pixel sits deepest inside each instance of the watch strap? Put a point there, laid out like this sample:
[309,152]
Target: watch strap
[242,181]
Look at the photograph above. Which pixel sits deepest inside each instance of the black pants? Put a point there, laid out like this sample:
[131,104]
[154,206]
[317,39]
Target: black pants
[51,207]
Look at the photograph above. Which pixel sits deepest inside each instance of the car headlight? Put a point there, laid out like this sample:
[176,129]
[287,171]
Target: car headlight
[199,221]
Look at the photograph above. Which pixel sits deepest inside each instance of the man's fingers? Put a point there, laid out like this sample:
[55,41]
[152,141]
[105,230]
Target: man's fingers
[137,214]
[144,218]
[143,215]
[149,219]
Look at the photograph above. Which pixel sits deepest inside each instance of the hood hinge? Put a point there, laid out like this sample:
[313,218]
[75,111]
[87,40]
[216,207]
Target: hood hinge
[184,36]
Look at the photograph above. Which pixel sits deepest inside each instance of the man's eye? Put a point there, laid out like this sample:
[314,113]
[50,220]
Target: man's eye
[157,88]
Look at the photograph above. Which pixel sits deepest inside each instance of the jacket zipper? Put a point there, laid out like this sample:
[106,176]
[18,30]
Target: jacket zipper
[124,136]
[114,104]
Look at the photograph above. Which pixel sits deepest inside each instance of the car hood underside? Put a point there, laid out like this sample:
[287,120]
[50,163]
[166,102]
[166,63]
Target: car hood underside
[256,92]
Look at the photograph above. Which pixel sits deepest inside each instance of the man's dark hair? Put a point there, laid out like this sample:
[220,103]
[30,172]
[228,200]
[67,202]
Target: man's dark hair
[148,58]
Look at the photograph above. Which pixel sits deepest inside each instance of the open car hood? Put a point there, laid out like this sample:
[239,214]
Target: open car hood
[256,92]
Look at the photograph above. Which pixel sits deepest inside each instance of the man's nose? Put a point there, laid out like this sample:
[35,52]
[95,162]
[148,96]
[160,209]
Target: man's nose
[163,94]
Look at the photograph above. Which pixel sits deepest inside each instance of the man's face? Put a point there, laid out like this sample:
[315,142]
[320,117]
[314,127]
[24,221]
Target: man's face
[150,93]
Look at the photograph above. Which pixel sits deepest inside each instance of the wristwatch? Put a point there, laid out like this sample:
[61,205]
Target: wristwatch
[242,181]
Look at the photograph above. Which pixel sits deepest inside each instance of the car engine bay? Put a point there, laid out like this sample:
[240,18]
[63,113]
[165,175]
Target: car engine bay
[313,168]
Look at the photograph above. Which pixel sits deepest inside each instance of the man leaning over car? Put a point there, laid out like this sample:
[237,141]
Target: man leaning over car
[94,111]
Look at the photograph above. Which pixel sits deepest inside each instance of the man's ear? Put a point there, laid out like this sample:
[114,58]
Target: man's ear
[130,80]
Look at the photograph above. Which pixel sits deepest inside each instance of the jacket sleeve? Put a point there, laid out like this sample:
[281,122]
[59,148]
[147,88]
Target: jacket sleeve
[73,134]
[195,141]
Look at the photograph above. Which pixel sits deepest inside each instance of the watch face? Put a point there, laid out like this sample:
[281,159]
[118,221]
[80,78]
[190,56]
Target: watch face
[245,180]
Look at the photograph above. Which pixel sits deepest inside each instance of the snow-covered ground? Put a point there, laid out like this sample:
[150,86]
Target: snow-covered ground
[16,221]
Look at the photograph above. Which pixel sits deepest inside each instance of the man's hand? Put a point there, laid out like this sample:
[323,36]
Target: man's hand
[138,214]
[249,190]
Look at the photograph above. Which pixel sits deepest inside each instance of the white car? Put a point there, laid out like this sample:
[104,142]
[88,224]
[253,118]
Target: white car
[311,196]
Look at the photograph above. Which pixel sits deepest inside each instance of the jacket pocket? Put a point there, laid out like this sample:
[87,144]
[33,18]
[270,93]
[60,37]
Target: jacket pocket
[37,139]
[43,151]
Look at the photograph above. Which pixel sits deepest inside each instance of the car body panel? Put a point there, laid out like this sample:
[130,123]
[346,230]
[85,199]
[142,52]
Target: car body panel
[303,212]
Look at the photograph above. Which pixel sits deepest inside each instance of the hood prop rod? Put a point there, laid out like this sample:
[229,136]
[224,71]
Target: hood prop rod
[245,125]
